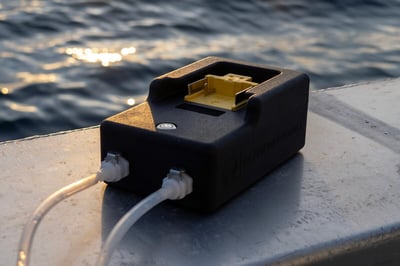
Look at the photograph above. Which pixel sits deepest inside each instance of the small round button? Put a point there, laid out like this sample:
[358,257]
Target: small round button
[166,126]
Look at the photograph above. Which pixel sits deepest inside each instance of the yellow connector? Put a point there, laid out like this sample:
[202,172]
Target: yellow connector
[220,91]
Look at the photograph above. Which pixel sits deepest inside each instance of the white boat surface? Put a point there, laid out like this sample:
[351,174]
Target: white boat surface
[337,202]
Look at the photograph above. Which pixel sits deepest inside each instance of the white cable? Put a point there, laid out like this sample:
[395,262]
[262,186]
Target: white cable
[113,168]
[176,185]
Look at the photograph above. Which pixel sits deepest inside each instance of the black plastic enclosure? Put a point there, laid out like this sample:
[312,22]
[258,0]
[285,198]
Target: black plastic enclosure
[223,151]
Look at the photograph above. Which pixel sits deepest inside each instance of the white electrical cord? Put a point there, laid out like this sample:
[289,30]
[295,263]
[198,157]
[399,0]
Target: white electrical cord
[176,185]
[113,168]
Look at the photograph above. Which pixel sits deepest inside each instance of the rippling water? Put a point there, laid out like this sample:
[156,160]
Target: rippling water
[68,64]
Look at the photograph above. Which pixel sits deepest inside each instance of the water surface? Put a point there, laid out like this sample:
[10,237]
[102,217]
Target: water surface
[69,64]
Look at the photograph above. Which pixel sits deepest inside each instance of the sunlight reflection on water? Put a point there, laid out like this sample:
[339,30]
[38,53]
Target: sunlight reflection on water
[102,55]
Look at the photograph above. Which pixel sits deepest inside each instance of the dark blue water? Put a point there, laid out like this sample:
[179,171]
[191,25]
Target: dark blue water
[68,64]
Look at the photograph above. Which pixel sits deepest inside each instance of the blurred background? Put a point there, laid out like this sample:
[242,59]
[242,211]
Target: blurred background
[68,64]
